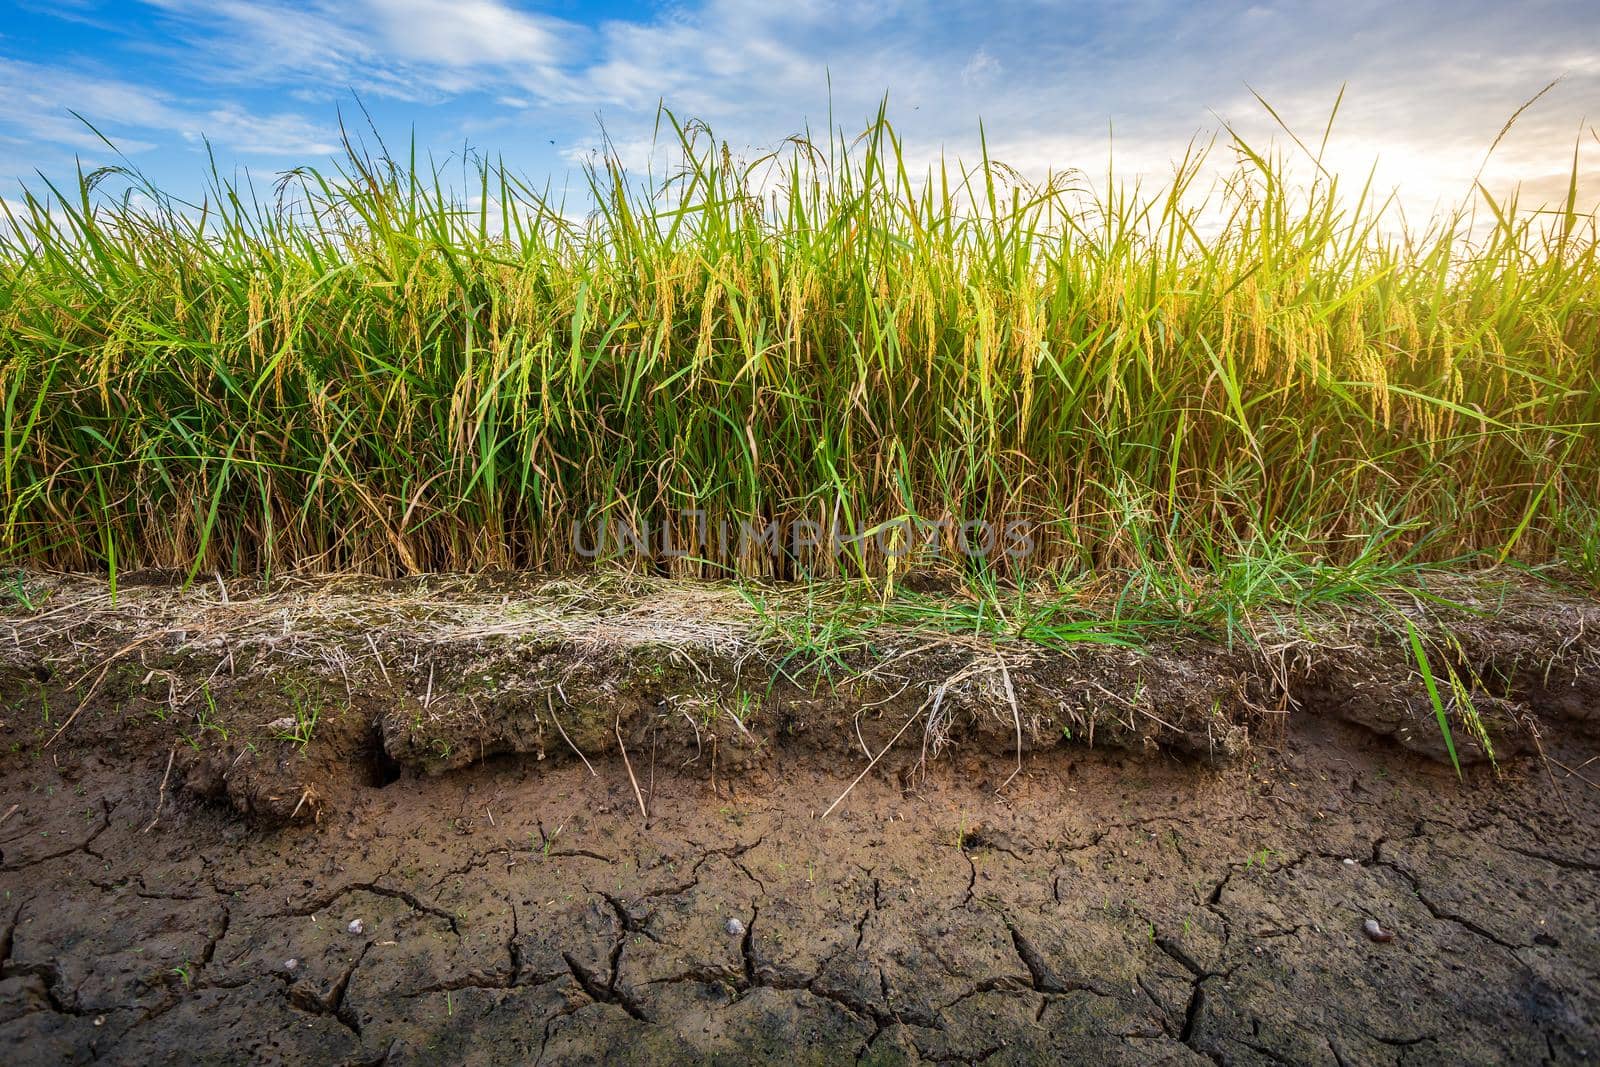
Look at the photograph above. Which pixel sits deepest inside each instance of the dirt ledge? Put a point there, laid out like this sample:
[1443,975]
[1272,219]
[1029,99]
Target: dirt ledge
[283,699]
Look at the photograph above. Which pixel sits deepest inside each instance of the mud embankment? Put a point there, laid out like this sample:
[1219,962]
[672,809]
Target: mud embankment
[285,701]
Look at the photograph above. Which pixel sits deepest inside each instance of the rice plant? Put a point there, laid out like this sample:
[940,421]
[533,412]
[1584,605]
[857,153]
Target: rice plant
[1440,713]
[379,368]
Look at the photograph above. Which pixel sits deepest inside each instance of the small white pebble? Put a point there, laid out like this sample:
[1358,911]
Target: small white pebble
[735,927]
[1348,862]
[290,964]
[1376,932]
[99,1020]
[357,926]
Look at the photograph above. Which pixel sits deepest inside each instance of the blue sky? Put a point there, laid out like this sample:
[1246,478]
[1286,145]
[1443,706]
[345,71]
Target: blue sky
[1429,83]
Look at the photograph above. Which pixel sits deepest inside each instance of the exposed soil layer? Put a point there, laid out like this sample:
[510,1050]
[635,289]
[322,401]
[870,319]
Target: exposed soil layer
[180,883]
[1128,910]
[283,700]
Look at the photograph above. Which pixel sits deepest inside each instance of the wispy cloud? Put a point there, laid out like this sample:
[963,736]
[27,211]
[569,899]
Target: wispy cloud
[465,33]
[283,135]
[66,108]
[409,49]
[1428,84]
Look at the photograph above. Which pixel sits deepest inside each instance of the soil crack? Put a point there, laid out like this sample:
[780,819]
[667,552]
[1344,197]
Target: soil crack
[330,1001]
[605,992]
[82,846]
[1439,912]
[410,899]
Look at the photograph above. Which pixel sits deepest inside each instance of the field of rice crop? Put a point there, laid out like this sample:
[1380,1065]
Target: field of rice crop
[378,366]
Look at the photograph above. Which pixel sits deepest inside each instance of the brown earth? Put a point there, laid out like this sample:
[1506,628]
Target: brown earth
[166,849]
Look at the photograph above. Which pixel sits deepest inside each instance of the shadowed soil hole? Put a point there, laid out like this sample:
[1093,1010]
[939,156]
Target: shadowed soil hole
[382,769]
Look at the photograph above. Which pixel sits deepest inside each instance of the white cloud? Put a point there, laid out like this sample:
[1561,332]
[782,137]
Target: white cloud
[41,101]
[1057,86]
[409,49]
[265,135]
[463,33]
[1428,84]
[981,68]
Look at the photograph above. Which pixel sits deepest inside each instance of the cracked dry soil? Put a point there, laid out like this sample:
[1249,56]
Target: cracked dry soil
[1102,906]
